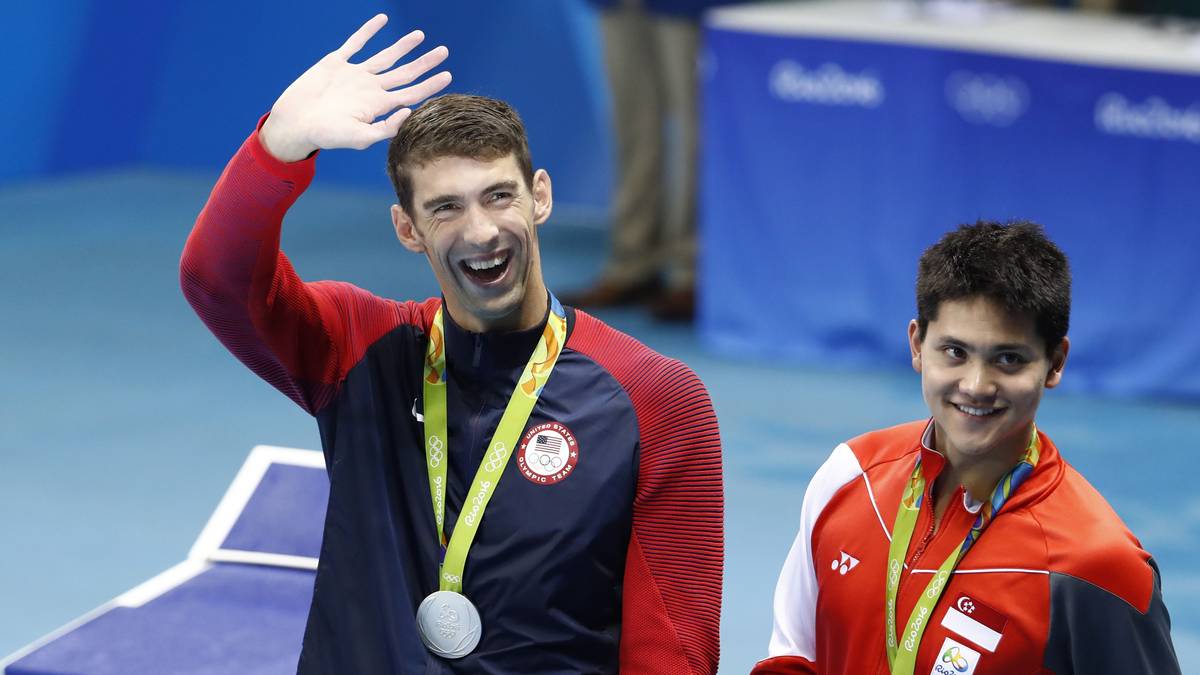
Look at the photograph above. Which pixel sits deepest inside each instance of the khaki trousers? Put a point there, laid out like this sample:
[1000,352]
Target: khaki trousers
[651,63]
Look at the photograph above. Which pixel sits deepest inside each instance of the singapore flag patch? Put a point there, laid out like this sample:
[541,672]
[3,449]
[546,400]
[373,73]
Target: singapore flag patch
[975,621]
[548,453]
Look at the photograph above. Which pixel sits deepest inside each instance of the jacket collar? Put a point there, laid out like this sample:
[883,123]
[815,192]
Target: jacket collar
[489,351]
[1046,475]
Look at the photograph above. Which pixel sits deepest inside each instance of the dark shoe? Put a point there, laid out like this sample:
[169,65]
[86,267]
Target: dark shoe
[677,304]
[608,294]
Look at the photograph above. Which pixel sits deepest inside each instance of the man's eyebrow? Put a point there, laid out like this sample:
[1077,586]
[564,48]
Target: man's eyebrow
[1012,347]
[948,341]
[1004,347]
[510,185]
[438,201]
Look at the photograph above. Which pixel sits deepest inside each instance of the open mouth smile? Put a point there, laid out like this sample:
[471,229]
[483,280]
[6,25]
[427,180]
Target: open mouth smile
[977,412]
[488,269]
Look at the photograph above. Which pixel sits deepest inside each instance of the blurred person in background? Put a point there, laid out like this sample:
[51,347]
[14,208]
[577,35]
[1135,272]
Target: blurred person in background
[650,49]
[602,547]
[1165,9]
[965,542]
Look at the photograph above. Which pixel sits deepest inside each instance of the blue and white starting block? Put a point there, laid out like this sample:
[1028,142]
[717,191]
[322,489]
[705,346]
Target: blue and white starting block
[238,604]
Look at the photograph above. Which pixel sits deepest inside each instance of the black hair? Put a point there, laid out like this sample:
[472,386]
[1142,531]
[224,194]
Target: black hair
[1014,264]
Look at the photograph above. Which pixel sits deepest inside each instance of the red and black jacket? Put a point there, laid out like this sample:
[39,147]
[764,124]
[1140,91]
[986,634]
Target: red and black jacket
[617,566]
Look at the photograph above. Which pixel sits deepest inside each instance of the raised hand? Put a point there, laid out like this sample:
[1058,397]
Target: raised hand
[335,103]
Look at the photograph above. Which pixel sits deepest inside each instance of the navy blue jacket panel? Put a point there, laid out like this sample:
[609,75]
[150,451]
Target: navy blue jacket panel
[546,566]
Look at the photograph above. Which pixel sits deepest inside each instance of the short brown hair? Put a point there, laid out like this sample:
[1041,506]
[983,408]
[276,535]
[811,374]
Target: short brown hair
[456,125]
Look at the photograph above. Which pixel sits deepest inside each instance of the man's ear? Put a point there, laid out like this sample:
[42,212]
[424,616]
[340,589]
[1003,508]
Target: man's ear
[1058,361]
[406,231]
[914,344]
[543,197]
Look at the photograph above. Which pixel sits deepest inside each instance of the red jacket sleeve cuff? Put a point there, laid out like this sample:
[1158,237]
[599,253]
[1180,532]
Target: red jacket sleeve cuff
[300,172]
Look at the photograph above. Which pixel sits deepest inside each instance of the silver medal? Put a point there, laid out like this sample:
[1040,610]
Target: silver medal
[449,624]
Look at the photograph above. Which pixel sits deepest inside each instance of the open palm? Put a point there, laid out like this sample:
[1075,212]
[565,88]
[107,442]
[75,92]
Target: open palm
[338,104]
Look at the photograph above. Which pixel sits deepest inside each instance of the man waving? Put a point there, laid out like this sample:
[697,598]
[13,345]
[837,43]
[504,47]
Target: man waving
[515,487]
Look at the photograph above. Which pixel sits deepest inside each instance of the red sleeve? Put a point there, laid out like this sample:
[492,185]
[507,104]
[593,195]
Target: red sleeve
[785,665]
[300,337]
[672,590]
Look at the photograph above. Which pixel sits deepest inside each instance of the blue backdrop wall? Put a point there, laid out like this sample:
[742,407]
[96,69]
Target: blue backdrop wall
[831,164]
[180,84]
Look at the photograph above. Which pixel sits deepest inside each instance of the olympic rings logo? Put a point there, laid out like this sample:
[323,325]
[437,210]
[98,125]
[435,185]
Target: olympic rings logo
[935,589]
[955,658]
[496,459]
[435,451]
[549,462]
[454,578]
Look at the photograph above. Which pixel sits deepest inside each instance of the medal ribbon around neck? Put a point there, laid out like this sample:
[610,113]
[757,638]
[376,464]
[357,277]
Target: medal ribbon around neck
[902,652]
[512,423]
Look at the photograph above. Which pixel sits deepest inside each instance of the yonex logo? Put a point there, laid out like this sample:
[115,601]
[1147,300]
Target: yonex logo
[847,563]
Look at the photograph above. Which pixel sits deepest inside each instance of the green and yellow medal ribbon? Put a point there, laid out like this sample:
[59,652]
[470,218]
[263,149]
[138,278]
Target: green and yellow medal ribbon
[512,423]
[902,649]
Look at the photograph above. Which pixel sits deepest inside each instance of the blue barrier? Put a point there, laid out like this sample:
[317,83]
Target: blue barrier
[238,604]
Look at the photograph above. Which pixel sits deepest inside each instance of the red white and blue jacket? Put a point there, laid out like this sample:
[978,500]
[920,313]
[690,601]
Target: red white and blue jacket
[616,566]
[1055,584]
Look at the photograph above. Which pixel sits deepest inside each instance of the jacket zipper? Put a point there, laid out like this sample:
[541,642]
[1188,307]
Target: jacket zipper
[912,561]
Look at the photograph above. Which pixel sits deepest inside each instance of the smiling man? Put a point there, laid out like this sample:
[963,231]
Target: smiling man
[965,543]
[515,487]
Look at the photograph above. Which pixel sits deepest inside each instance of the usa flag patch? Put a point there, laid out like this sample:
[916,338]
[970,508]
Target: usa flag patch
[548,453]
